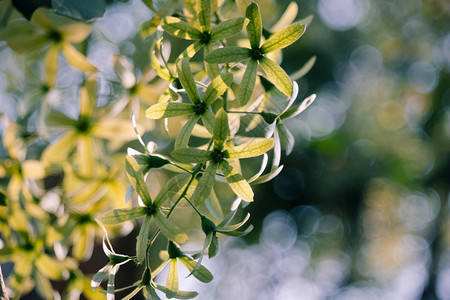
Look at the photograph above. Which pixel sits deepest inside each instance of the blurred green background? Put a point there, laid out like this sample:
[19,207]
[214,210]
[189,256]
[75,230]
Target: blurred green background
[360,210]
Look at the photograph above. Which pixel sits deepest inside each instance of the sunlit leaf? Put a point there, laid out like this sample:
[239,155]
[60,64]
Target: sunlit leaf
[204,14]
[228,55]
[142,239]
[276,75]
[171,188]
[304,69]
[187,81]
[267,177]
[237,233]
[149,27]
[33,169]
[254,27]
[51,64]
[248,83]
[205,184]
[217,87]
[289,15]
[237,183]
[286,138]
[183,136]
[283,38]
[117,216]
[228,28]
[76,59]
[201,273]
[49,267]
[159,68]
[192,155]
[88,96]
[296,110]
[168,110]
[75,32]
[181,29]
[233,227]
[169,229]
[190,51]
[256,147]
[176,294]
[124,70]
[136,178]
[221,129]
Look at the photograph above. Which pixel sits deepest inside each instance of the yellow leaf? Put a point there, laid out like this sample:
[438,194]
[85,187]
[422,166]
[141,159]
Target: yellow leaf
[51,64]
[60,150]
[88,96]
[115,129]
[75,32]
[33,169]
[41,17]
[85,158]
[76,59]
[49,267]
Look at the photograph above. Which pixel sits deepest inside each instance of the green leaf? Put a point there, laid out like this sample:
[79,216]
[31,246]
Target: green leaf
[237,183]
[296,110]
[204,14]
[176,294]
[187,81]
[111,279]
[214,206]
[213,246]
[217,87]
[59,120]
[99,276]
[248,83]
[211,69]
[304,69]
[201,273]
[276,75]
[190,51]
[171,188]
[286,138]
[238,233]
[181,29]
[169,229]
[133,292]
[183,136]
[136,178]
[283,38]
[267,177]
[83,10]
[121,215]
[192,155]
[142,239]
[233,227]
[205,184]
[253,148]
[208,119]
[228,55]
[149,27]
[221,129]
[228,28]
[159,68]
[254,27]
[168,110]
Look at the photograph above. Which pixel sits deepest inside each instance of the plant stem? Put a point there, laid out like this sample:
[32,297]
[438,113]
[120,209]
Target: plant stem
[243,112]
[3,294]
[180,167]
[193,206]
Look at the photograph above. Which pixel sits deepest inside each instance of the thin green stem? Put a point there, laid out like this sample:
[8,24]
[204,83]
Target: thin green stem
[180,167]
[243,112]
[164,60]
[193,206]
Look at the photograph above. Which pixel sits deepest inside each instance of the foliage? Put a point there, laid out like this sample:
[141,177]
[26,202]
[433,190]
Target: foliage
[63,171]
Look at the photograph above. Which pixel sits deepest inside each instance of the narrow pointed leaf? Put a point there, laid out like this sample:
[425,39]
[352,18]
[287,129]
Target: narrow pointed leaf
[213,247]
[233,227]
[110,285]
[228,55]
[183,136]
[136,178]
[296,110]
[286,138]
[133,292]
[168,110]
[287,18]
[76,59]
[253,148]
[151,293]
[221,129]
[283,38]
[201,273]
[124,70]
[181,29]
[142,239]
[117,216]
[208,119]
[304,69]
[214,206]
[237,233]
[99,276]
[204,14]
[217,87]
[49,267]
[187,81]
[192,155]
[171,188]
[248,83]
[254,27]
[190,51]
[211,69]
[169,229]
[276,75]
[176,294]
[267,177]
[51,64]
[228,28]
[237,183]
[205,184]
[149,27]
[160,69]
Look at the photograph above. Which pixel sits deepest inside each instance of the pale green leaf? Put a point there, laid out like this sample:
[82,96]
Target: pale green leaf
[49,267]
[159,68]
[248,83]
[254,27]
[237,183]
[99,276]
[136,178]
[142,239]
[253,148]
[149,27]
[205,184]
[110,285]
[289,15]
[228,55]
[176,294]
[117,216]
[76,58]
[171,188]
[124,70]
[169,229]
[204,14]
[187,81]
[286,138]
[267,177]
[192,155]
[228,28]
[51,64]
[221,129]
[294,111]
[214,206]
[238,233]
[168,110]
[201,273]
[283,38]
[304,69]
[190,51]
[181,29]
[233,227]
[276,75]
[183,136]
[217,87]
